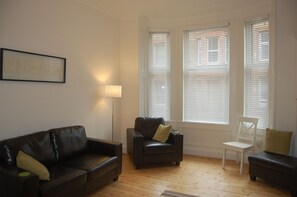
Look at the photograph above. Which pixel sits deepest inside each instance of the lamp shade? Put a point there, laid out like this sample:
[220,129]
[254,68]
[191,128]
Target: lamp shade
[113,91]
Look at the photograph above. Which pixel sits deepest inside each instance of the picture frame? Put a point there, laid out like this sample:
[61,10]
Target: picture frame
[18,65]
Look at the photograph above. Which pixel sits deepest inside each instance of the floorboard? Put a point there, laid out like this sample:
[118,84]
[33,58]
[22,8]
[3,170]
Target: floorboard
[199,176]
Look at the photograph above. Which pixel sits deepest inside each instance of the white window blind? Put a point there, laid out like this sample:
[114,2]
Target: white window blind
[206,75]
[256,99]
[158,75]
[213,50]
[199,48]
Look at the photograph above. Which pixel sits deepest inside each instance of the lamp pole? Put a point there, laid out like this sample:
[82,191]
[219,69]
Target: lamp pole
[113,91]
[112,120]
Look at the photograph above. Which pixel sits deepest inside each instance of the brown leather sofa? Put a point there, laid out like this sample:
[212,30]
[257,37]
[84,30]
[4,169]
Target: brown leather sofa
[77,165]
[274,168]
[143,150]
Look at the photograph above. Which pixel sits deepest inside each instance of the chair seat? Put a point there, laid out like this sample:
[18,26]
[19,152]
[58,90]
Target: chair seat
[93,164]
[237,145]
[282,163]
[63,179]
[154,147]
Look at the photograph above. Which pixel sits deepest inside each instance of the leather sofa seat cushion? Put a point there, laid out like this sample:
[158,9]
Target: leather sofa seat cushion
[38,145]
[282,163]
[63,179]
[96,165]
[69,141]
[154,147]
[147,126]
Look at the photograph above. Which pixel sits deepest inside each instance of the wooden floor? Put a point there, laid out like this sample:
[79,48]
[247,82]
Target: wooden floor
[195,176]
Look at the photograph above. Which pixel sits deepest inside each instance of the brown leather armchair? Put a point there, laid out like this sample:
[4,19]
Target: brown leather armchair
[143,150]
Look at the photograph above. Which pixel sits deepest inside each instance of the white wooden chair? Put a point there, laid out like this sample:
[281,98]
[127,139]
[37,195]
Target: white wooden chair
[245,139]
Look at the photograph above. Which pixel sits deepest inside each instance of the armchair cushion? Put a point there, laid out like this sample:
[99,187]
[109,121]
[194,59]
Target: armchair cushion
[162,133]
[153,147]
[147,126]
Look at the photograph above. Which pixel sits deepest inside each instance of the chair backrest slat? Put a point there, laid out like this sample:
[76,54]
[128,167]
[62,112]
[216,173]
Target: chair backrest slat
[247,130]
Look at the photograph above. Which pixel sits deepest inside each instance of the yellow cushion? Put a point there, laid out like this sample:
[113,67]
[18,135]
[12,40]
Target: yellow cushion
[278,141]
[30,164]
[162,133]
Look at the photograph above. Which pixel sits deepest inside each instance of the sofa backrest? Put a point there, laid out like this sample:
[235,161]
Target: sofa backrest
[69,141]
[147,126]
[38,145]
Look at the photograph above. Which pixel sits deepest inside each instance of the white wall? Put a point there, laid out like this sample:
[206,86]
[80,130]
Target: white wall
[129,75]
[204,139]
[90,42]
[286,64]
[101,49]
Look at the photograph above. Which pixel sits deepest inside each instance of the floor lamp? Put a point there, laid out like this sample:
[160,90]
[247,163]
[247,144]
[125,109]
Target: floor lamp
[113,91]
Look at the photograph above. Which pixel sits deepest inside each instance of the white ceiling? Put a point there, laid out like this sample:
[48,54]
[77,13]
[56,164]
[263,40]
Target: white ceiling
[129,9]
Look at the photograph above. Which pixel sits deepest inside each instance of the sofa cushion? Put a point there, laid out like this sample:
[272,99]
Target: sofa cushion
[38,145]
[162,133]
[283,163]
[26,162]
[96,165]
[148,126]
[278,141]
[69,141]
[154,147]
[63,179]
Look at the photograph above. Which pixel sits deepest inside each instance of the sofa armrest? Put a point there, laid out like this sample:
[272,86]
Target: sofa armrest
[135,145]
[106,147]
[12,185]
[177,139]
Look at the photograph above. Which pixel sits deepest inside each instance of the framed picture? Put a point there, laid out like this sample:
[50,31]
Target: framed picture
[25,66]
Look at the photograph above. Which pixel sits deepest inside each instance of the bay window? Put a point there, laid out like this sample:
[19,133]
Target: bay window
[200,90]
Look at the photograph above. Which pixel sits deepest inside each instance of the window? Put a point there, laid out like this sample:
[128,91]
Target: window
[206,81]
[264,46]
[158,73]
[256,99]
[226,49]
[159,53]
[213,50]
[199,48]
[159,92]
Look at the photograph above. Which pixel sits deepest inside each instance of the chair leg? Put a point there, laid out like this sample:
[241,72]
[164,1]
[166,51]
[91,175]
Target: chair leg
[224,157]
[241,162]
